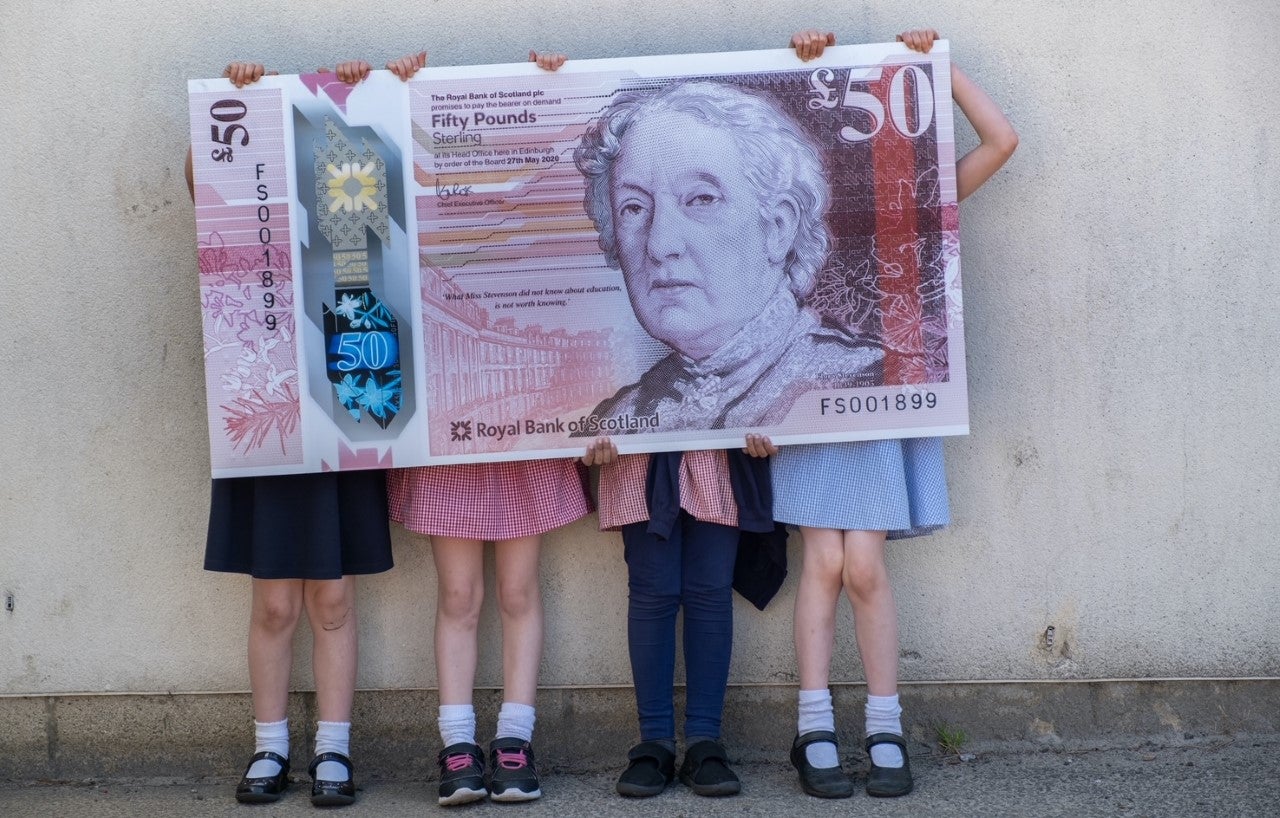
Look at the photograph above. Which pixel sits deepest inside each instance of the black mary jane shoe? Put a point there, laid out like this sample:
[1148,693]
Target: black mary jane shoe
[889,782]
[650,768]
[820,782]
[332,793]
[706,770]
[263,790]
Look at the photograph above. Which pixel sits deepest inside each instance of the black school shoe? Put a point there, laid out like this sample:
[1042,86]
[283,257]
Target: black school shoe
[461,774]
[332,793]
[706,770]
[650,768]
[263,790]
[889,782]
[820,782]
[512,774]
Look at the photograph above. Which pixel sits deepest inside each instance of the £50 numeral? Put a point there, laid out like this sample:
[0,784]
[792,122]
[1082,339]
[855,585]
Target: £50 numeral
[227,111]
[908,79]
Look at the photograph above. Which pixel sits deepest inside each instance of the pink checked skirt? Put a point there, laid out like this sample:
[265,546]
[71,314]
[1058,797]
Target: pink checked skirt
[489,501]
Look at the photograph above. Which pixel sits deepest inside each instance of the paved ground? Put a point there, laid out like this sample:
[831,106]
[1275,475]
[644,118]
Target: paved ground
[1236,778]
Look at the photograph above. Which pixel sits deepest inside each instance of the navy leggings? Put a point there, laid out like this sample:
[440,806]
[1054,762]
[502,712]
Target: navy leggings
[693,569]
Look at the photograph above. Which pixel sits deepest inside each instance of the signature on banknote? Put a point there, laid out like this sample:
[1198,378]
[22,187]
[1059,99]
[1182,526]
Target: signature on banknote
[447,190]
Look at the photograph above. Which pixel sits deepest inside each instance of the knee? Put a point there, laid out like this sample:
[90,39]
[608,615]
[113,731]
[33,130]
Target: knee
[825,565]
[277,613]
[865,578]
[707,589]
[517,598]
[652,589]
[460,602]
[330,605]
[708,602]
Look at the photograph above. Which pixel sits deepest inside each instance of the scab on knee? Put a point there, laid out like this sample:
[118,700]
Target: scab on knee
[336,623]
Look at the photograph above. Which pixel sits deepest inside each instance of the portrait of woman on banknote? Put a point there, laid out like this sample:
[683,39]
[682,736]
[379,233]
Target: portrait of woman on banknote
[713,203]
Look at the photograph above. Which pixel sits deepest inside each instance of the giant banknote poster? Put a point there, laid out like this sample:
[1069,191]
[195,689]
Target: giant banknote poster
[496,262]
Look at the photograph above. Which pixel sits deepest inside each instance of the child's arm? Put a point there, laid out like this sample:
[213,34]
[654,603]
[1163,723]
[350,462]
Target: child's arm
[998,140]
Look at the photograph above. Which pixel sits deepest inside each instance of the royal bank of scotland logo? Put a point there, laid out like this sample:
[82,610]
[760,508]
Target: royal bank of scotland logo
[460,430]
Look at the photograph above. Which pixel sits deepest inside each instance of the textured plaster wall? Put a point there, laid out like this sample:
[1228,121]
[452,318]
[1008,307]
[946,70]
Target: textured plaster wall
[1121,481]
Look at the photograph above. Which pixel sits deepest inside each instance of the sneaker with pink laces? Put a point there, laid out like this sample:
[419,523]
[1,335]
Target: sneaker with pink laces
[461,774]
[512,774]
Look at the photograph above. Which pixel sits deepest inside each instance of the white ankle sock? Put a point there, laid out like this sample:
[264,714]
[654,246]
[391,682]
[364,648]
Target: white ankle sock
[884,715]
[333,737]
[817,713]
[457,724]
[269,736]
[515,720]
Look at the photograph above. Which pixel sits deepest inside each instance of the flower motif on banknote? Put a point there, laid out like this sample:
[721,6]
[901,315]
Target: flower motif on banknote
[347,307]
[349,393]
[363,315]
[381,399]
[850,295]
[276,379]
[352,187]
[221,307]
[951,274]
[377,316]
[212,255]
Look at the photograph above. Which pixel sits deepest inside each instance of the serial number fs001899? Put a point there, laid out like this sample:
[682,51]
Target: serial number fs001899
[229,112]
[901,402]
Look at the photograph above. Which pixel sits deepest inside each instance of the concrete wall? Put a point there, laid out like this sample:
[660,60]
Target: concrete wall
[1120,484]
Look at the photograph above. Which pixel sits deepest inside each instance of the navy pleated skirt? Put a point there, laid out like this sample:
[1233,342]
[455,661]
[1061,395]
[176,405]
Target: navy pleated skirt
[300,526]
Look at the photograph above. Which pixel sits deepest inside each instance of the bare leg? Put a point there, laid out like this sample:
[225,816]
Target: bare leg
[821,579]
[331,609]
[460,579]
[520,604]
[277,604]
[273,618]
[866,580]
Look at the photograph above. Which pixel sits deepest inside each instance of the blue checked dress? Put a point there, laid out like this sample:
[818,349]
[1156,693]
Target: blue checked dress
[898,486]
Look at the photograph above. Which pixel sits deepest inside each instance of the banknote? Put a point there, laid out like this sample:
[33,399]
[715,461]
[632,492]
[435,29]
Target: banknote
[496,262]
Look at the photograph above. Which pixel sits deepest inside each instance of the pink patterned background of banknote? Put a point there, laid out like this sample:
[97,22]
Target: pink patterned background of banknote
[509,235]
[503,235]
[895,233]
[246,287]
